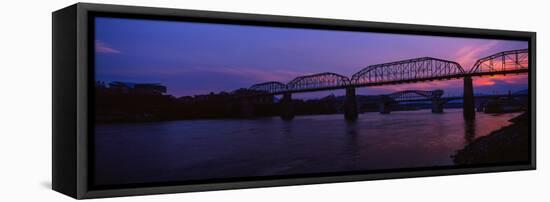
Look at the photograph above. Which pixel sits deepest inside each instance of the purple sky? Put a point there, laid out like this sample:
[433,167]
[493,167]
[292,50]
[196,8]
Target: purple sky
[198,58]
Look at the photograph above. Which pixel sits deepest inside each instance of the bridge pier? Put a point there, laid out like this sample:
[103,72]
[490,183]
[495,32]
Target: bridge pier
[437,106]
[287,112]
[350,104]
[468,108]
[384,107]
[481,106]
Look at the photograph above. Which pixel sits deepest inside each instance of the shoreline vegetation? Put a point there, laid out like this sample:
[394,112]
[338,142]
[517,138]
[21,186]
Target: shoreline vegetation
[506,145]
[126,102]
[115,105]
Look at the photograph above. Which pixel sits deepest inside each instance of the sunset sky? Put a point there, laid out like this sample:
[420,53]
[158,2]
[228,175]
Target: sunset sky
[198,58]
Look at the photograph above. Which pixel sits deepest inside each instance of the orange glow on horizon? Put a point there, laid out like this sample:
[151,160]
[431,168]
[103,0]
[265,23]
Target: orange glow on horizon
[484,82]
[492,80]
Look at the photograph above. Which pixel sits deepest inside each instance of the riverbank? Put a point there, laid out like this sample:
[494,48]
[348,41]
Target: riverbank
[508,144]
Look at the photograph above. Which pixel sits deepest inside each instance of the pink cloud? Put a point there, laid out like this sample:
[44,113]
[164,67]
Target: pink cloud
[468,55]
[102,47]
[260,75]
[254,75]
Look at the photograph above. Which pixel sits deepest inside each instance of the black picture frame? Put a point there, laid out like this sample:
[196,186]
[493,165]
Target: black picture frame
[72,62]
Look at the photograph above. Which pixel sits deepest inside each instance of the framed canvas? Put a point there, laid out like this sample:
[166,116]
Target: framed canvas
[155,100]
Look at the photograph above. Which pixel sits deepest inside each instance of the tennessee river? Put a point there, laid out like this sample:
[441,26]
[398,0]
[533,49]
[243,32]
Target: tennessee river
[207,149]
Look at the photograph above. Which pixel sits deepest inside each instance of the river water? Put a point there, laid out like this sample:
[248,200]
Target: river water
[209,149]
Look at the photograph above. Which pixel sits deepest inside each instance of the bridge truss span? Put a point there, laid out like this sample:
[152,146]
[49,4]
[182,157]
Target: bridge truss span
[418,69]
[514,61]
[326,80]
[271,87]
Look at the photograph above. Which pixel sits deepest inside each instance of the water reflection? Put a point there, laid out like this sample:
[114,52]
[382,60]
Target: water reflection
[286,128]
[352,143]
[199,149]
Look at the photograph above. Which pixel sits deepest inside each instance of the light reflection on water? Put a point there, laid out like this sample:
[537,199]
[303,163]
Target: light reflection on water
[202,149]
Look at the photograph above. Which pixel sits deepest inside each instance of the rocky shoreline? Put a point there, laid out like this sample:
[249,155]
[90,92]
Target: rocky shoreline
[506,145]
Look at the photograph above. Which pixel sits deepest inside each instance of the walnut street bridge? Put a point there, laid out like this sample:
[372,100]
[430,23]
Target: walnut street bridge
[423,69]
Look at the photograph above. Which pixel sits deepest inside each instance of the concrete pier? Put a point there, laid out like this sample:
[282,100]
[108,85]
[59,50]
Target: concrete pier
[384,107]
[437,105]
[287,111]
[468,103]
[350,104]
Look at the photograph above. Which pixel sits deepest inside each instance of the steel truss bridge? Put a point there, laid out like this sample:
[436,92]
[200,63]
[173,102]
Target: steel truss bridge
[425,96]
[413,95]
[405,71]
[435,97]
[422,69]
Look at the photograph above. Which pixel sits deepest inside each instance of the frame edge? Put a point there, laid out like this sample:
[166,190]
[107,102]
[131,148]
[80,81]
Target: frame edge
[64,145]
[82,188]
